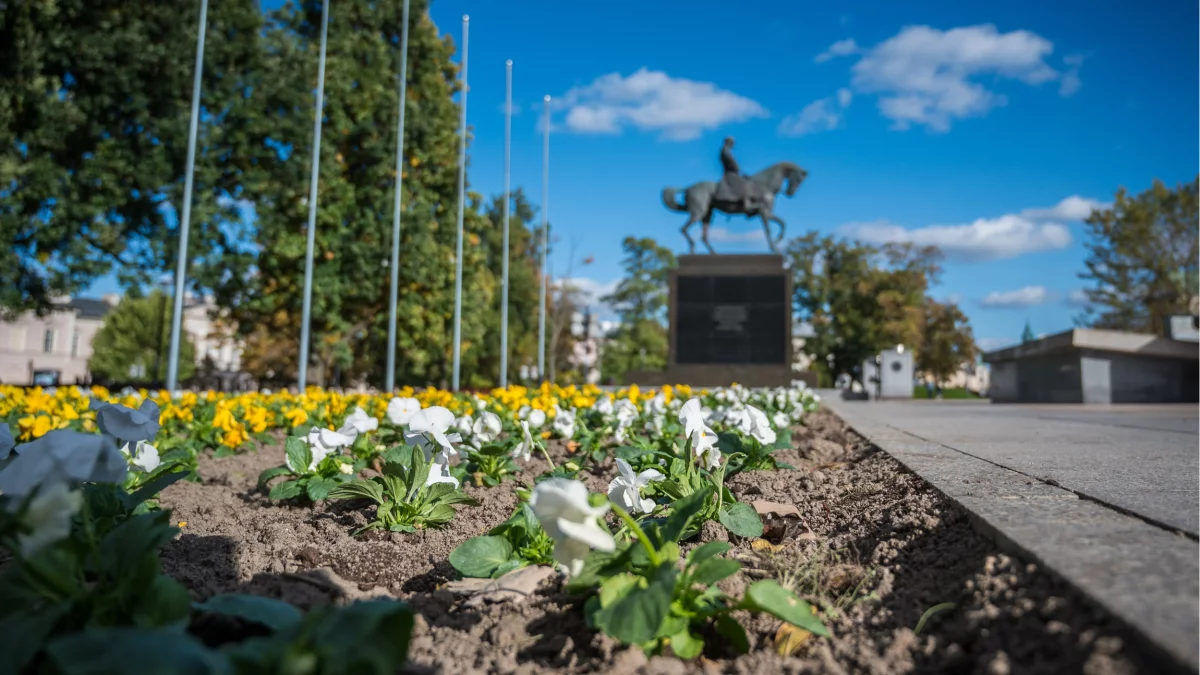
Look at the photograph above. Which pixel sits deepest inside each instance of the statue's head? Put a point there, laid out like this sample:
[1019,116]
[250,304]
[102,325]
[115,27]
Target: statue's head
[729,141]
[795,175]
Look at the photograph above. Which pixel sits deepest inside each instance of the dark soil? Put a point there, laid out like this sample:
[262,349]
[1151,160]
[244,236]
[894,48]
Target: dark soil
[875,547]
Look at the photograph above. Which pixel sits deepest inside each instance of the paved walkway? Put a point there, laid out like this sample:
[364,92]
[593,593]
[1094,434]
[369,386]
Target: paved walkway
[1105,496]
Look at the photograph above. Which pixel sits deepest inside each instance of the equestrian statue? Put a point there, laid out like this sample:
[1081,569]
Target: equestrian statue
[736,194]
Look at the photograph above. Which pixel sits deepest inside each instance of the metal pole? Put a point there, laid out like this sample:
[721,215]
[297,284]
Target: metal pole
[507,208]
[390,380]
[186,219]
[545,235]
[306,316]
[462,200]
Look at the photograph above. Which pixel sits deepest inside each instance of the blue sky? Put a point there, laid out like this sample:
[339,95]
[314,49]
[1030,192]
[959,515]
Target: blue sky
[986,128]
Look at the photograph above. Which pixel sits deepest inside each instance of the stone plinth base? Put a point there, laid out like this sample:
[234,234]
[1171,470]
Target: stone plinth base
[720,375]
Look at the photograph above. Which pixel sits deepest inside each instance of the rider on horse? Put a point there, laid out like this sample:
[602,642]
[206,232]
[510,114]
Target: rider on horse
[733,187]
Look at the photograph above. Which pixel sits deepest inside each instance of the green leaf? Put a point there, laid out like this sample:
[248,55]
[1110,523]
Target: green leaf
[635,618]
[272,613]
[418,476]
[742,520]
[713,570]
[480,556]
[628,453]
[129,543]
[707,550]
[682,512]
[151,488]
[729,628]
[318,488]
[783,440]
[102,651]
[24,631]
[685,645]
[270,473]
[358,489]
[166,603]
[768,596]
[617,587]
[298,453]
[440,514]
[401,454]
[509,565]
[286,490]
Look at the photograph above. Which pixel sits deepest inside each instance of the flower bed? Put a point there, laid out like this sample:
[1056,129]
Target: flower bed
[804,549]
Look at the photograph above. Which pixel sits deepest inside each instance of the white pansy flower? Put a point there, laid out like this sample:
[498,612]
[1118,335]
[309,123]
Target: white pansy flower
[537,419]
[704,446]
[48,517]
[144,456]
[523,412]
[564,423]
[345,468]
[487,427]
[691,416]
[760,428]
[464,425]
[657,405]
[439,472]
[126,425]
[781,420]
[562,508]
[524,449]
[603,405]
[360,421]
[429,426]
[321,444]
[625,489]
[62,456]
[400,410]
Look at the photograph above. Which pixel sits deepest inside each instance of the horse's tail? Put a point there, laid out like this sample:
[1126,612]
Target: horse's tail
[669,201]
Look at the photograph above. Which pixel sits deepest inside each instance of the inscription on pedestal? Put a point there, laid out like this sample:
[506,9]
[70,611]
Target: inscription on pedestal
[731,319]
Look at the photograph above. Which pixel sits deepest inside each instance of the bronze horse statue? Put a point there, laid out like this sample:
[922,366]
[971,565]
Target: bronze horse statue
[699,204]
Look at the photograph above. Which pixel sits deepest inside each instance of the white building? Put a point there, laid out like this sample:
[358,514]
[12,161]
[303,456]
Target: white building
[56,348]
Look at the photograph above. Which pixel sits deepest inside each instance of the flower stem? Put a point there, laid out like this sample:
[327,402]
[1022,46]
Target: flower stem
[640,533]
[546,454]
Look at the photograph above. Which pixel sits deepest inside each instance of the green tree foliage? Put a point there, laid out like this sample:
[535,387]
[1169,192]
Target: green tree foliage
[131,346]
[353,237]
[859,299]
[94,109]
[947,342]
[640,300]
[1143,256]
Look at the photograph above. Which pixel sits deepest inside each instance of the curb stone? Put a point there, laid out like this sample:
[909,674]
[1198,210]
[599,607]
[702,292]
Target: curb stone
[1143,575]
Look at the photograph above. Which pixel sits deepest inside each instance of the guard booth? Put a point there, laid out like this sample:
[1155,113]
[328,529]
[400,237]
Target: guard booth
[890,374]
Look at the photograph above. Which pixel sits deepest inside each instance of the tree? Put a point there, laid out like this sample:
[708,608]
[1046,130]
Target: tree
[1027,334]
[354,220]
[95,102]
[947,342]
[131,346]
[640,301]
[859,299]
[1143,257]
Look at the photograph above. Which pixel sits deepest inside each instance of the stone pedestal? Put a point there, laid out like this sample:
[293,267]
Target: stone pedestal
[730,321]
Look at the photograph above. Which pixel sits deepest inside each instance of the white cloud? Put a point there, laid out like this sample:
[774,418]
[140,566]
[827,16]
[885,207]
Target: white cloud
[1028,296]
[649,100]
[926,76]
[591,290]
[985,239]
[1008,236]
[1077,298]
[993,343]
[1070,79]
[721,235]
[839,48]
[821,115]
[1073,208]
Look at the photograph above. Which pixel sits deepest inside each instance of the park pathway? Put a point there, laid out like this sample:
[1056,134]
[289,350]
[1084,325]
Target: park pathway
[1106,496]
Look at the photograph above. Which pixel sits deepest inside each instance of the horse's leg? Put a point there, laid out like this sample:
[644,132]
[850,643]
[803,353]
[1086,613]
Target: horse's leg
[690,241]
[704,234]
[782,227]
[766,221]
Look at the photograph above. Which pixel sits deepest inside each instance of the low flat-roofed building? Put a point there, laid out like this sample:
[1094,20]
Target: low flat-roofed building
[1096,366]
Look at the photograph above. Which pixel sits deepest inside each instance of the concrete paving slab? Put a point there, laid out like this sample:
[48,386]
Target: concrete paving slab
[1144,574]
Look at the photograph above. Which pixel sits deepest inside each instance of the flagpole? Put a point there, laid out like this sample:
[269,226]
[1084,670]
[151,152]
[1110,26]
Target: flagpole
[507,207]
[462,200]
[545,239]
[186,217]
[306,315]
[390,379]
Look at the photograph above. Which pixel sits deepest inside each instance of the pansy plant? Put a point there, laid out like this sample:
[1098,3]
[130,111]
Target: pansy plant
[517,542]
[408,494]
[312,470]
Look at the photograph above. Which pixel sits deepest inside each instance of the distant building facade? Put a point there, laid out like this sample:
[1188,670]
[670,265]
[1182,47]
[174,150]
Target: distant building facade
[1097,366]
[55,349]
